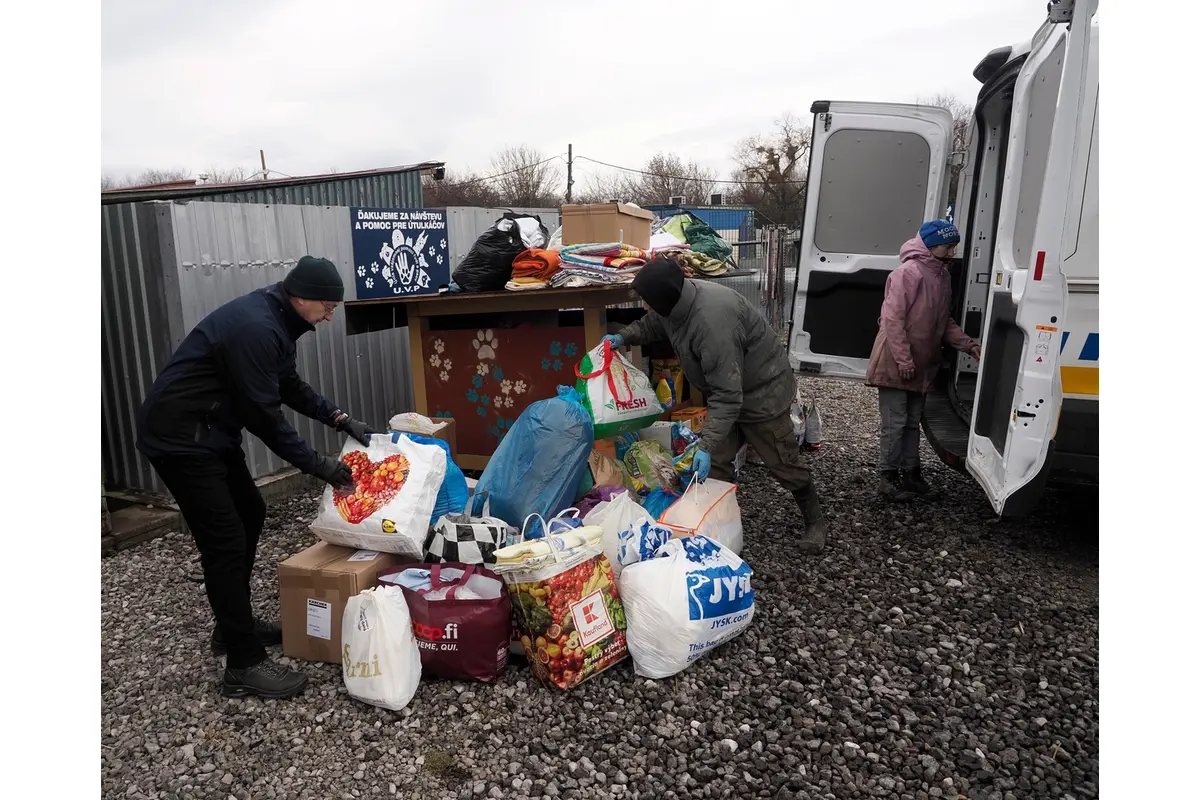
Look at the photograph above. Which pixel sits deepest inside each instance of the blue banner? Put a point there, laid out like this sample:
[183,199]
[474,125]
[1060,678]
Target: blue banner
[399,252]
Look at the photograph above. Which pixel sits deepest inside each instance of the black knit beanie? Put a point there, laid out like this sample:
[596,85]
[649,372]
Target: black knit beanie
[660,284]
[315,279]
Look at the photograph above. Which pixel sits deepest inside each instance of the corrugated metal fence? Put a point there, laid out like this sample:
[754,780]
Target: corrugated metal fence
[168,265]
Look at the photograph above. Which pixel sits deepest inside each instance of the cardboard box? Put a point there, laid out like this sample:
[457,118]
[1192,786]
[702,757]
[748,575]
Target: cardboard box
[314,586]
[447,434]
[693,415]
[606,222]
[658,432]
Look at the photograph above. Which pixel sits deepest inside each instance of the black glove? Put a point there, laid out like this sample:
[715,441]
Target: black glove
[347,424]
[335,473]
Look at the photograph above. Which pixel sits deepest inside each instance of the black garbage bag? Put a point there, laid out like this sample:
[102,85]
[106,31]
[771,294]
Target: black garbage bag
[489,264]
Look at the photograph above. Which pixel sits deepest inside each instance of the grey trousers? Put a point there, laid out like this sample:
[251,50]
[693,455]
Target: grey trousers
[900,429]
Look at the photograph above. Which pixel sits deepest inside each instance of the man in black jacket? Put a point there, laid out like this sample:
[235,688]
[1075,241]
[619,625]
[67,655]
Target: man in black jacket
[233,371]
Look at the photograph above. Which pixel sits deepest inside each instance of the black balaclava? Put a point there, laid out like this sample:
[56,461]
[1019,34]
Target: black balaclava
[660,284]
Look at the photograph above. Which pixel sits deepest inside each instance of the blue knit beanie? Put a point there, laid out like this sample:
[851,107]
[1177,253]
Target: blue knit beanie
[938,231]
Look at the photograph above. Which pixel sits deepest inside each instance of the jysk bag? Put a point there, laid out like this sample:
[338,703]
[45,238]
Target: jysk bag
[396,485]
[622,514]
[693,597]
[566,605]
[380,661]
[708,509]
[615,392]
[461,618]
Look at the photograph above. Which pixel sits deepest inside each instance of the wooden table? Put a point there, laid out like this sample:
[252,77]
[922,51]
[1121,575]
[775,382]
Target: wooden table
[482,358]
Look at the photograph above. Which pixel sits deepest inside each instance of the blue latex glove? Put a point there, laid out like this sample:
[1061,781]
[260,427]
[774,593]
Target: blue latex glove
[701,464]
[615,341]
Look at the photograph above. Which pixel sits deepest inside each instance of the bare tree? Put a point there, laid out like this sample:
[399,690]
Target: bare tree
[527,178]
[963,113]
[458,189]
[772,171]
[237,174]
[147,177]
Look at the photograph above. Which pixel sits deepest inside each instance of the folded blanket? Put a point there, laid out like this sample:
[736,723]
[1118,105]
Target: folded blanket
[526,284]
[534,263]
[612,255]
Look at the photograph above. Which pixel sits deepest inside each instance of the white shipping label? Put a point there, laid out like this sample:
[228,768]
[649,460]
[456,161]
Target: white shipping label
[319,615]
[363,555]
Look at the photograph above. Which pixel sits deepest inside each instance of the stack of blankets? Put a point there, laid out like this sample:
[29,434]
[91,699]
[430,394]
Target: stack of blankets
[534,269]
[599,264]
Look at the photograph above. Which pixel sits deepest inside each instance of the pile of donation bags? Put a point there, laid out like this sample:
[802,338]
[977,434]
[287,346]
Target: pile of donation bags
[576,551]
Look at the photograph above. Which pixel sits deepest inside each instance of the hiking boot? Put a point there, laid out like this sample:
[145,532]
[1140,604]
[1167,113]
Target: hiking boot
[892,489]
[264,679]
[269,633]
[913,483]
[815,527]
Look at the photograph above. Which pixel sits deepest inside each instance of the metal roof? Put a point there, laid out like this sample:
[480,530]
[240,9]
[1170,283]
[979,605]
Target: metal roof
[206,190]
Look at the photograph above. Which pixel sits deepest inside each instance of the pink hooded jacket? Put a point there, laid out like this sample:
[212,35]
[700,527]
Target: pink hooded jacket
[914,322]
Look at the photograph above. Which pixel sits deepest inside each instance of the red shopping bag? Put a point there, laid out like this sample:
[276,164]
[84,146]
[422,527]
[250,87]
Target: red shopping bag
[462,621]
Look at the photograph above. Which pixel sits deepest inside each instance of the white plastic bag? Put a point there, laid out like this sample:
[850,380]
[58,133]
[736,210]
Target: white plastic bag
[617,394]
[812,427]
[622,514]
[555,242]
[532,233]
[640,542]
[384,512]
[695,596]
[411,422]
[381,664]
[708,509]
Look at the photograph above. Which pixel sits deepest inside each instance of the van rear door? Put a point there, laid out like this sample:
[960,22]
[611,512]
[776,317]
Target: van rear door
[876,172]
[1020,387]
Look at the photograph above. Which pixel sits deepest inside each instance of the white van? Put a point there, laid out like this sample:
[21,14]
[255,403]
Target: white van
[1027,285]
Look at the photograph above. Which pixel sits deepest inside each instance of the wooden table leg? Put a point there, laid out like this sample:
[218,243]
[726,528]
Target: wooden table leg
[417,327]
[595,326]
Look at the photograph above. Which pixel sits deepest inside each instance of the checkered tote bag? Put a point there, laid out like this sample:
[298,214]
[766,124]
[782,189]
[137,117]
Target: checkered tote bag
[467,539]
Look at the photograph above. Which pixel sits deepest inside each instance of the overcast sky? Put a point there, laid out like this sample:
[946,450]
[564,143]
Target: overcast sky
[359,85]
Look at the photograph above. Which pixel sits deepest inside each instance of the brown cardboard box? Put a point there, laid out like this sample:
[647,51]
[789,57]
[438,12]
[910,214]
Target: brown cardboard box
[606,222]
[606,446]
[314,586]
[696,416]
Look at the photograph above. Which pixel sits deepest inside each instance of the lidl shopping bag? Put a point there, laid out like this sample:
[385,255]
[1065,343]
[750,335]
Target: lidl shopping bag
[693,597]
[615,392]
[380,661]
[396,485]
[708,509]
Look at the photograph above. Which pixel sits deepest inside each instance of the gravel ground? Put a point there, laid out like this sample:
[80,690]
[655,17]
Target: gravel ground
[931,652]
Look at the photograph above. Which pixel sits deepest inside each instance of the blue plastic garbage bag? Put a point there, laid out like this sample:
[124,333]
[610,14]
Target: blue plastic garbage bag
[453,495]
[541,460]
[659,501]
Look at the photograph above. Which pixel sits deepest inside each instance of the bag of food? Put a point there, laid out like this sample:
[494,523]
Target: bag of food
[453,494]
[615,392]
[461,618]
[566,605]
[396,485]
[693,597]
[381,664]
[640,542]
[468,539]
[539,464]
[708,509]
[606,471]
[567,519]
[658,501]
[650,467]
[682,437]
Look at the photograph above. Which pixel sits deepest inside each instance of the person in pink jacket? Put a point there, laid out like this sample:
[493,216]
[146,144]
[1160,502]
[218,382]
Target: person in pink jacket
[914,323]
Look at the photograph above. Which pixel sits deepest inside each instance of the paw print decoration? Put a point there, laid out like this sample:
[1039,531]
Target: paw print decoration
[485,345]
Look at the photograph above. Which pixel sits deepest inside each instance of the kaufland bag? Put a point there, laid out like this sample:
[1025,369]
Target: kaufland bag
[461,618]
[615,392]
[693,597]
[381,664]
[566,605]
[708,509]
[396,485]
